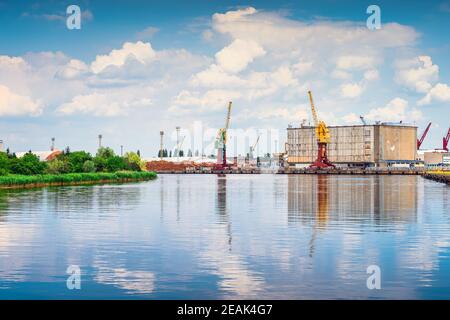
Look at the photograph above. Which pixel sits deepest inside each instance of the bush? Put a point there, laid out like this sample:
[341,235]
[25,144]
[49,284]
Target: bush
[89,166]
[18,180]
[133,161]
[115,163]
[57,167]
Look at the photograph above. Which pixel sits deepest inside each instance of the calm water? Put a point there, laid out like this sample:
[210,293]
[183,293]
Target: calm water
[203,236]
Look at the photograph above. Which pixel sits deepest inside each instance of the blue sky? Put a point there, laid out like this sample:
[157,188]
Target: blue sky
[137,67]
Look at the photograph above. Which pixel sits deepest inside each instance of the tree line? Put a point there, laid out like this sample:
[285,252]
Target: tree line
[71,162]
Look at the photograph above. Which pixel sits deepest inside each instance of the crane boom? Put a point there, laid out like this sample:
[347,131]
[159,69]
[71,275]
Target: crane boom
[227,121]
[323,139]
[424,134]
[445,140]
[313,109]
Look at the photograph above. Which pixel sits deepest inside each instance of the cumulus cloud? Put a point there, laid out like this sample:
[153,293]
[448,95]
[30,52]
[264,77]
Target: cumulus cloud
[371,74]
[440,92]
[211,100]
[417,74]
[351,90]
[355,62]
[73,69]
[396,110]
[139,51]
[235,57]
[99,104]
[13,104]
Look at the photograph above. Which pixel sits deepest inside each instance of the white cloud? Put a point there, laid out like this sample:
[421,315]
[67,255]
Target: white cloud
[371,74]
[417,74]
[73,70]
[139,51]
[99,104]
[235,57]
[396,110]
[351,90]
[12,104]
[355,62]
[440,92]
[211,100]
[342,75]
[303,68]
[351,118]
[271,30]
[215,76]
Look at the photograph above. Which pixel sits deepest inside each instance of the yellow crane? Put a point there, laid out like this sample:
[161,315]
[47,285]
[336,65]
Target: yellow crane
[323,139]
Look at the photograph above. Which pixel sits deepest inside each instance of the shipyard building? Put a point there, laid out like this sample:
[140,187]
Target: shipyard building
[377,145]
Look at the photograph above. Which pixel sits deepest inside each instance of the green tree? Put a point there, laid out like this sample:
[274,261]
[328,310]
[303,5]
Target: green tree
[100,164]
[89,166]
[77,159]
[105,152]
[5,164]
[29,164]
[115,163]
[133,161]
[57,166]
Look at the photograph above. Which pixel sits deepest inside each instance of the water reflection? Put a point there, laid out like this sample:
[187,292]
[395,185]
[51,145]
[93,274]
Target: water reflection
[234,236]
[316,199]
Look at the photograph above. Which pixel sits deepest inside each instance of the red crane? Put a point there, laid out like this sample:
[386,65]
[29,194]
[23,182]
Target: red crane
[424,134]
[445,140]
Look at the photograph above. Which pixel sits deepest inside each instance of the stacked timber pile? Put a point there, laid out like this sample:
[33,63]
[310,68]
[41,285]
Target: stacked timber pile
[168,166]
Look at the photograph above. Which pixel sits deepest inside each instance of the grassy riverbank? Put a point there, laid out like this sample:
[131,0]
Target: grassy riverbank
[22,181]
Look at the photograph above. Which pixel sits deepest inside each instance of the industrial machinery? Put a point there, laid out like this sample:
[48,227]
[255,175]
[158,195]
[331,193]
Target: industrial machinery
[221,143]
[323,139]
[445,140]
[363,120]
[424,134]
[252,148]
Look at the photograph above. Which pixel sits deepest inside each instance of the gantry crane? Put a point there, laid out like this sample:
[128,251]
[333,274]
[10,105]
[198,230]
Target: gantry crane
[445,140]
[323,139]
[424,134]
[221,142]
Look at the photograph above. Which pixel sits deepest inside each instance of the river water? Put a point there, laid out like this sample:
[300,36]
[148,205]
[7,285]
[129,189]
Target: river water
[236,236]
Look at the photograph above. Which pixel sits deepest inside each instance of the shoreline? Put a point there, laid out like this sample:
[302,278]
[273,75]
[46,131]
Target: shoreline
[438,177]
[30,182]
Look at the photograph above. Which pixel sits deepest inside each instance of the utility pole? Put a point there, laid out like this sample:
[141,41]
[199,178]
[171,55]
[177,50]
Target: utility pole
[121,151]
[161,151]
[52,148]
[178,141]
[100,141]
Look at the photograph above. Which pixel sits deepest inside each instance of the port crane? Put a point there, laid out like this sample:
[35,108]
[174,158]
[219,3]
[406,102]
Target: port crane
[323,139]
[424,134]
[221,142]
[252,148]
[445,140]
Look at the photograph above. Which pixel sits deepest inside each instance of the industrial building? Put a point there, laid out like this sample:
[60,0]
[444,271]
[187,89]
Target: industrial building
[374,145]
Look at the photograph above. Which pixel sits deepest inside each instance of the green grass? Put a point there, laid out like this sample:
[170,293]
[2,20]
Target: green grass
[19,180]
